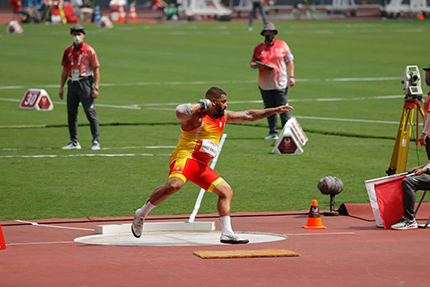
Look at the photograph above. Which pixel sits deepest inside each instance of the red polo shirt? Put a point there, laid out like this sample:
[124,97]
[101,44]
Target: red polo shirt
[83,58]
[275,55]
[16,6]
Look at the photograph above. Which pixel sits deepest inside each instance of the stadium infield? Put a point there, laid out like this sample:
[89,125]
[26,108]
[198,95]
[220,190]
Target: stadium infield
[352,251]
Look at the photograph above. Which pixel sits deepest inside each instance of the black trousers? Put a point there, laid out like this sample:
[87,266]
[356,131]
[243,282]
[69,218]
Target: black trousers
[80,92]
[428,147]
[410,185]
[253,14]
[273,99]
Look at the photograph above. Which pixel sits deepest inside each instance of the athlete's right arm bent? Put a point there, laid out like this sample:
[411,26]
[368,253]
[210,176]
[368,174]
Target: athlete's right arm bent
[188,113]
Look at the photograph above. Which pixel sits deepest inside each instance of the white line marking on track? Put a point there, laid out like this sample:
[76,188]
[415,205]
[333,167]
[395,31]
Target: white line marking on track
[54,226]
[316,234]
[39,243]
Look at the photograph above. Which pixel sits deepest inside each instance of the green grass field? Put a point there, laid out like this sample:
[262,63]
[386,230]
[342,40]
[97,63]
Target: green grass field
[348,99]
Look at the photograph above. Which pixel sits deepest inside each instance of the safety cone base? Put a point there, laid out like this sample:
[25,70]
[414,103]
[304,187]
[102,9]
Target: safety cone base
[314,223]
[314,218]
[314,227]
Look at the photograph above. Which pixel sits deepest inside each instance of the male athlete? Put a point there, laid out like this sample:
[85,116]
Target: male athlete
[202,124]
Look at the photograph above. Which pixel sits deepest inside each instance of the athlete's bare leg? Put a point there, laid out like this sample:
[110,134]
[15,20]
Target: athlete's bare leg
[173,185]
[225,195]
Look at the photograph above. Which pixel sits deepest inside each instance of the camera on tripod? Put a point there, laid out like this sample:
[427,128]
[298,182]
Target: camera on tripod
[412,82]
[412,90]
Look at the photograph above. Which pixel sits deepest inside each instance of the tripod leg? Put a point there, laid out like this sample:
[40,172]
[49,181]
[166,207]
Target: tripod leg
[401,147]
[393,164]
[48,11]
[404,146]
[62,14]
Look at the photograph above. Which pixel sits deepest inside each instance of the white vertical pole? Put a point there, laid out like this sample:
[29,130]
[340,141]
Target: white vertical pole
[202,191]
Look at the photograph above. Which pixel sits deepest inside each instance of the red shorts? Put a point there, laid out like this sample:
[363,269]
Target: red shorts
[196,172]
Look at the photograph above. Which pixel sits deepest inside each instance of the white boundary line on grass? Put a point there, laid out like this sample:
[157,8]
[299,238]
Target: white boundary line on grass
[212,82]
[156,105]
[105,148]
[81,155]
[87,154]
[132,107]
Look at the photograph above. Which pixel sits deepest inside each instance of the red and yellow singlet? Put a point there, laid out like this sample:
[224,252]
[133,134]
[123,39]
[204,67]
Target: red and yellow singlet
[196,148]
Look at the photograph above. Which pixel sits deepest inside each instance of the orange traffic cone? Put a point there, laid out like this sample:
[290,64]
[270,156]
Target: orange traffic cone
[2,243]
[421,16]
[132,12]
[314,218]
[121,18]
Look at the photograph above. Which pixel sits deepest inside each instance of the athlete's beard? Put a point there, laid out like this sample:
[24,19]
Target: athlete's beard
[220,111]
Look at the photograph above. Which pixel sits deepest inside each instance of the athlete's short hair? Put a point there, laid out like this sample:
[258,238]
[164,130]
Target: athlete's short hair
[215,92]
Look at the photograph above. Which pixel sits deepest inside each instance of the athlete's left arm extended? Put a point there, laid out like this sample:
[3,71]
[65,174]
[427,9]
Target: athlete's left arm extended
[254,115]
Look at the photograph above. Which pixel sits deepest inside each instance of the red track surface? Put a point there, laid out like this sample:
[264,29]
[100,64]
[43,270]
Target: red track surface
[350,252]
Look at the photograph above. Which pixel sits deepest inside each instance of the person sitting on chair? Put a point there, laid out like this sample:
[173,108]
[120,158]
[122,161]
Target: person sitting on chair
[420,180]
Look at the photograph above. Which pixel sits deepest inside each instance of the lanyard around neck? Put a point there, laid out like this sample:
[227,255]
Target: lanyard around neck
[79,59]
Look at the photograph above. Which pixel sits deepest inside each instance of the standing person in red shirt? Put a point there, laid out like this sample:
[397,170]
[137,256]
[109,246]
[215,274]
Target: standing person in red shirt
[81,68]
[425,137]
[16,6]
[273,58]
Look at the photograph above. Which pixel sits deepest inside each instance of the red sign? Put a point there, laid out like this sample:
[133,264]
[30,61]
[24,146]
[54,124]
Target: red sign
[35,99]
[44,103]
[30,99]
[287,145]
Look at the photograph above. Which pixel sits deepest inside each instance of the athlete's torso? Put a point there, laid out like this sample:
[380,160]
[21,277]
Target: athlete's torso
[200,143]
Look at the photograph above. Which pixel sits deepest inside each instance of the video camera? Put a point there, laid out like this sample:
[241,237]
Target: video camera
[412,82]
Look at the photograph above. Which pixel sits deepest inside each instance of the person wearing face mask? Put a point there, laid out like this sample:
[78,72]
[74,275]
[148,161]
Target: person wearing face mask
[425,136]
[274,61]
[81,69]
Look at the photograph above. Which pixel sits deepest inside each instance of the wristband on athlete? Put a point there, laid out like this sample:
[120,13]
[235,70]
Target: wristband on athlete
[205,104]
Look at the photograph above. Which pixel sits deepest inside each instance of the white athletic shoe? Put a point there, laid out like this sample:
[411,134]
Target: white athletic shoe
[72,145]
[405,224]
[232,239]
[137,226]
[96,145]
[271,137]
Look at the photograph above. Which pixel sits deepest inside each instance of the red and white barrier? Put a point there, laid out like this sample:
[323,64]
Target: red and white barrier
[291,140]
[36,99]
[105,22]
[14,27]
